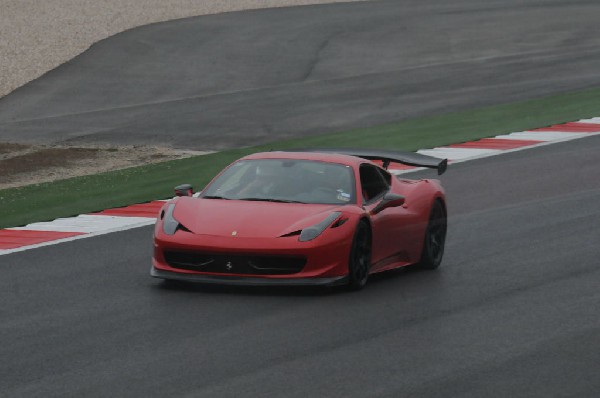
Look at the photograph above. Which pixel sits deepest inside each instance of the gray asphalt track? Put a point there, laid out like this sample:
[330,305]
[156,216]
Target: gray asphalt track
[244,78]
[513,311]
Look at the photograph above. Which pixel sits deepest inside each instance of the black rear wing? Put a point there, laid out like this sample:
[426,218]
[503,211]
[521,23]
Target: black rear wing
[387,157]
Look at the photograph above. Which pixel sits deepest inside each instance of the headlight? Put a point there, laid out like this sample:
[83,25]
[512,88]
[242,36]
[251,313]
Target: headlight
[311,233]
[170,224]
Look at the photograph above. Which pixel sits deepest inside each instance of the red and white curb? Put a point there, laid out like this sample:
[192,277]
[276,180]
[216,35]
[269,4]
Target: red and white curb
[501,144]
[123,218]
[83,226]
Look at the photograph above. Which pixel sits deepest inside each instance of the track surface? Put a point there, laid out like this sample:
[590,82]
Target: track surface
[244,78]
[514,310]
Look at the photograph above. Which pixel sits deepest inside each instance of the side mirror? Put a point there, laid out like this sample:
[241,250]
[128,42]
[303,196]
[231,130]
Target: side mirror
[184,190]
[389,200]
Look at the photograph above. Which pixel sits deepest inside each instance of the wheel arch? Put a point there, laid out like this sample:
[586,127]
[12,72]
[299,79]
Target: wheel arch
[366,220]
[442,200]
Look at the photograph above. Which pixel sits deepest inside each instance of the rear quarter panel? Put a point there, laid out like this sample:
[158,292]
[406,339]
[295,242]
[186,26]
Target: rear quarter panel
[420,196]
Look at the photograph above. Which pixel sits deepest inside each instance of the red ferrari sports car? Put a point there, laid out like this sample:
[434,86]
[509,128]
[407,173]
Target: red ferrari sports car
[318,217]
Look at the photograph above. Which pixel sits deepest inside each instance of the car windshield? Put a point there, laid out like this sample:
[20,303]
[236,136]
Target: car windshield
[284,180]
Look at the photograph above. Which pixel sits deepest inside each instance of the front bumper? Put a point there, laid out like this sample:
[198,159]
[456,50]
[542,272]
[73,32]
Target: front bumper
[246,281]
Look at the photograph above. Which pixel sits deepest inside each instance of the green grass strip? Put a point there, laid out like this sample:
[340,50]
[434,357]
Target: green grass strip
[69,197]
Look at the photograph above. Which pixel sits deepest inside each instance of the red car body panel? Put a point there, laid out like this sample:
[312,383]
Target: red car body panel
[398,233]
[253,228]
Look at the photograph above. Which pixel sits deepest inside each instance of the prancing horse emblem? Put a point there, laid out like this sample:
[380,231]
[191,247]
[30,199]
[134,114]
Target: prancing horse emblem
[229,266]
[234,233]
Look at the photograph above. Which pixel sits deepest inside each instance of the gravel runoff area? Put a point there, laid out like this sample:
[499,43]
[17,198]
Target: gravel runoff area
[37,36]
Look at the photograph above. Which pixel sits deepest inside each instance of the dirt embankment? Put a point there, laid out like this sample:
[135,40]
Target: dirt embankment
[30,164]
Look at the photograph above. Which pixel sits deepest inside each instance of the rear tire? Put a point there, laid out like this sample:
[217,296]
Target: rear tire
[435,237]
[359,263]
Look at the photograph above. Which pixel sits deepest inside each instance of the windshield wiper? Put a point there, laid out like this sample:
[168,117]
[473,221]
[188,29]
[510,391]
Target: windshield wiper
[270,200]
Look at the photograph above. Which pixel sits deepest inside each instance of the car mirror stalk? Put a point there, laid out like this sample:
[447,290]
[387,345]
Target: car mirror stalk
[389,200]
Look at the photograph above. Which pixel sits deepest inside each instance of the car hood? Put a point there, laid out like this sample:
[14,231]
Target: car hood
[218,217]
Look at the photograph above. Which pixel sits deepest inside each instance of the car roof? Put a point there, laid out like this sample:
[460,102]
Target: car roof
[346,160]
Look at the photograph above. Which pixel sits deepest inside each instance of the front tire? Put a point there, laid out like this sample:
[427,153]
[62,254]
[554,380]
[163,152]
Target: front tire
[435,237]
[359,263]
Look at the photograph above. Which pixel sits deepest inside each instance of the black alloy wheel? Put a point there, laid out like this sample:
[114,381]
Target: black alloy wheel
[435,238]
[360,257]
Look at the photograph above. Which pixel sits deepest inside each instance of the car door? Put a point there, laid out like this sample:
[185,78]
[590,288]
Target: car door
[387,226]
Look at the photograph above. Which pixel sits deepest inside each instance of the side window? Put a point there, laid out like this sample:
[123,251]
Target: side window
[373,183]
[387,177]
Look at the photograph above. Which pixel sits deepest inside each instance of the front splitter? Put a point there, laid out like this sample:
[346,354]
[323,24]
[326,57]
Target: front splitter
[246,281]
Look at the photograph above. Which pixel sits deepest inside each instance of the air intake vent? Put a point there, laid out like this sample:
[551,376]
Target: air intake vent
[235,264]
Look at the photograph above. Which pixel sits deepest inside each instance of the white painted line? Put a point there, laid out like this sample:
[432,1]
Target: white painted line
[86,223]
[543,136]
[558,133]
[457,153]
[592,120]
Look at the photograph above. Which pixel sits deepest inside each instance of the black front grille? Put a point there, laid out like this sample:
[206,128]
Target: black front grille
[235,264]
